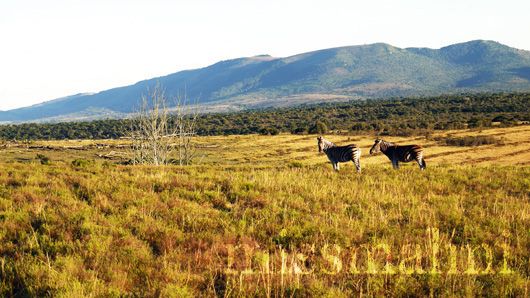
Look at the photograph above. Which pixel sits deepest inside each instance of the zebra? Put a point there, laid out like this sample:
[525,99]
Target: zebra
[338,154]
[397,153]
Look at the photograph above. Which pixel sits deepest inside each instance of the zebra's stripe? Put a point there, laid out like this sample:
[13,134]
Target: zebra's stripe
[399,153]
[338,154]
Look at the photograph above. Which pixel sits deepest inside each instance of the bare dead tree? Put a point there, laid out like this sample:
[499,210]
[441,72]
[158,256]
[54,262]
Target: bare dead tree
[150,125]
[185,120]
[158,131]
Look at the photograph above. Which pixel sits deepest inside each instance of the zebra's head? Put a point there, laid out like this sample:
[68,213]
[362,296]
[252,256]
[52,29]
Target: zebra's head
[324,144]
[320,140]
[376,147]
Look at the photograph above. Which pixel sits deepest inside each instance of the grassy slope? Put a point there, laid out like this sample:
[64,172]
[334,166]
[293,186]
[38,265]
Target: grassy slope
[104,229]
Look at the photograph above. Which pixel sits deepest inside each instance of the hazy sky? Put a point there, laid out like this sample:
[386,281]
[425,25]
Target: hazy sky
[54,48]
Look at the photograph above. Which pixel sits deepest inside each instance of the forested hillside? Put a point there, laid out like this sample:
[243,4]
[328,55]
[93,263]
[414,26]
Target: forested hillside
[393,116]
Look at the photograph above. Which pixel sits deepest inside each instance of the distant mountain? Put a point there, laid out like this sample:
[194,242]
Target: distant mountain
[364,71]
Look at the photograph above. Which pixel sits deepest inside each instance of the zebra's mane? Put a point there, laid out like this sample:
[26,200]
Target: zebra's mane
[384,144]
[328,144]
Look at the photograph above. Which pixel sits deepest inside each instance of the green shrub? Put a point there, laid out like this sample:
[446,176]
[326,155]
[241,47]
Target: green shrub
[44,160]
[81,163]
[468,141]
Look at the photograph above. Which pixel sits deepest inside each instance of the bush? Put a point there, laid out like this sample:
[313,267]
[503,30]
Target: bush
[319,128]
[299,130]
[44,160]
[80,163]
[269,131]
[469,141]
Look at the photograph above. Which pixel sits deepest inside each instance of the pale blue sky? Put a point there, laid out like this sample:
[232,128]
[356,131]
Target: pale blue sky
[55,48]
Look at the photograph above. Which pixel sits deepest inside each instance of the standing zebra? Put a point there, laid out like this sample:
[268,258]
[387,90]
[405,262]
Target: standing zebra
[397,153]
[338,154]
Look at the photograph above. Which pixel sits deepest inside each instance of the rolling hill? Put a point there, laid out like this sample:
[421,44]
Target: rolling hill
[345,73]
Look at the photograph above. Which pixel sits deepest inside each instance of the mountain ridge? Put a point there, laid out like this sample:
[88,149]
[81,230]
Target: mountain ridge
[343,73]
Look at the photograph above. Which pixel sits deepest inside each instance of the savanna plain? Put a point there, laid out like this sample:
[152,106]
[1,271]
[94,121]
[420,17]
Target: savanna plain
[267,216]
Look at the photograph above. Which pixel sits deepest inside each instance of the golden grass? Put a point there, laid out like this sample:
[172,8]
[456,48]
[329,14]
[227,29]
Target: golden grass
[257,150]
[265,150]
[98,228]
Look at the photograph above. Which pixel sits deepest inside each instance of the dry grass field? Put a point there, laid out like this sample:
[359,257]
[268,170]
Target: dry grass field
[266,216]
[262,151]
[273,151]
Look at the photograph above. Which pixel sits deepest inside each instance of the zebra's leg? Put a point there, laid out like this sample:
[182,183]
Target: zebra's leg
[337,166]
[395,163]
[357,164]
[421,163]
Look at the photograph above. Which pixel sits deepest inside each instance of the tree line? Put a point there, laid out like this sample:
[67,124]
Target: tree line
[397,116]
